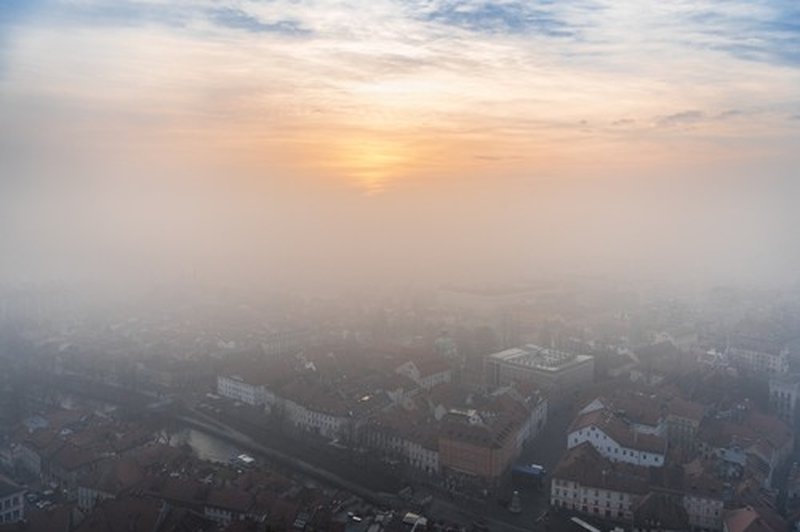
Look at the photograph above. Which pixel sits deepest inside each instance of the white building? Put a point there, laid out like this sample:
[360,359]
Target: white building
[12,505]
[614,440]
[242,389]
[759,357]
[584,482]
[327,424]
[427,374]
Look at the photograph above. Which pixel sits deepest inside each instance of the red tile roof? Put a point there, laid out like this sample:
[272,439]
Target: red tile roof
[616,429]
[583,464]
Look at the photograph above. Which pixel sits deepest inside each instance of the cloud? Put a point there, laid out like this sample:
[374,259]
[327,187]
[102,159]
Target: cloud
[238,19]
[500,17]
[299,76]
[731,113]
[681,119]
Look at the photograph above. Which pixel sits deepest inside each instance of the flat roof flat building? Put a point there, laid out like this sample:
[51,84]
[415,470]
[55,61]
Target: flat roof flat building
[553,370]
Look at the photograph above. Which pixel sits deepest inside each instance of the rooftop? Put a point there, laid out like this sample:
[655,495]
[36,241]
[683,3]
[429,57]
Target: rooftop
[540,358]
[617,429]
[583,464]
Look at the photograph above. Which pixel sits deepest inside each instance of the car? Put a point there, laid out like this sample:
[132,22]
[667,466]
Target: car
[354,517]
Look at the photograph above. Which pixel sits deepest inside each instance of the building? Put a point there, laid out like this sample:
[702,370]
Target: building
[703,496]
[225,505]
[784,391]
[535,405]
[428,373]
[644,498]
[247,390]
[586,482]
[643,413]
[682,422]
[286,341]
[110,479]
[755,441]
[615,440]
[70,463]
[660,512]
[555,371]
[328,421]
[411,438]
[12,501]
[476,446]
[312,406]
[758,356]
[749,519]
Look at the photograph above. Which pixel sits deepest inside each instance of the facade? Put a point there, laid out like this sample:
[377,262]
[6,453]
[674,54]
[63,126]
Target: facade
[660,512]
[475,447]
[587,483]
[614,440]
[758,357]
[416,445]
[784,391]
[704,511]
[550,369]
[327,424]
[227,505]
[682,422]
[286,341]
[242,390]
[12,502]
[537,417]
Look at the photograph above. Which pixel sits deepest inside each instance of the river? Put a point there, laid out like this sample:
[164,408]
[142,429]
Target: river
[205,446]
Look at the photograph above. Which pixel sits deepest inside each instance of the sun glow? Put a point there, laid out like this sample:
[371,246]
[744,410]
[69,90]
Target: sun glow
[373,163]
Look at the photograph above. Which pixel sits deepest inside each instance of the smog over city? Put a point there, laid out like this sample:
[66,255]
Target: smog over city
[390,265]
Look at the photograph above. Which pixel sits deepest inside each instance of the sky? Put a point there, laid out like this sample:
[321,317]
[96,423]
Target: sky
[437,139]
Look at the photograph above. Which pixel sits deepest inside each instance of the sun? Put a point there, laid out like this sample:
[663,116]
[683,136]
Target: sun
[374,163]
